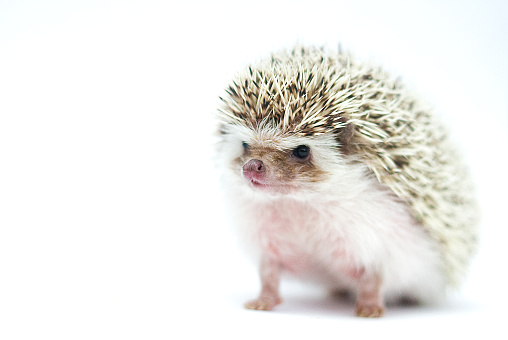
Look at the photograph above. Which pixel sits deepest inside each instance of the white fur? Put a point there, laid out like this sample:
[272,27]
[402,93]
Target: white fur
[326,230]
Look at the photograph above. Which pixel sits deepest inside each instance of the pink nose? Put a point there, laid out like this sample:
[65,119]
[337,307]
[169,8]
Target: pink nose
[254,169]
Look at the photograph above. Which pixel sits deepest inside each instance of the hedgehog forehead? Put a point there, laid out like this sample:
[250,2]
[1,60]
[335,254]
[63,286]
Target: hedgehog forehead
[269,137]
[276,140]
[279,142]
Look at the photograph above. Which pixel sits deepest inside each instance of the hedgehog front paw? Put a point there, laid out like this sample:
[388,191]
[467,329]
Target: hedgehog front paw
[369,311]
[263,303]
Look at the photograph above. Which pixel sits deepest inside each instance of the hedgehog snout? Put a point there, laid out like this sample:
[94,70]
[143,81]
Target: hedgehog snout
[254,170]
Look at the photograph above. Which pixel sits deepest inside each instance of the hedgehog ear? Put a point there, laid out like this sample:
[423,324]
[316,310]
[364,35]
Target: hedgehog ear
[345,137]
[222,130]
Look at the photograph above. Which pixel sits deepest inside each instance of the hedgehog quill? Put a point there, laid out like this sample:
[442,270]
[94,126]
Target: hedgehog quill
[336,174]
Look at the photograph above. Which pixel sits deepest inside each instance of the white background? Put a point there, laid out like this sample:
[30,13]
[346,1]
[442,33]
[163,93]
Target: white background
[111,222]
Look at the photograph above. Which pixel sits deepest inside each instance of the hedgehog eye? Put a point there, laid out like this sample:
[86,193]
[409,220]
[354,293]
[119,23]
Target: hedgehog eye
[245,146]
[301,151]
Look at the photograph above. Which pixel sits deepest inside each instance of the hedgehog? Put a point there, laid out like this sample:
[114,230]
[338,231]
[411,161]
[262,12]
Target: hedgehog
[336,174]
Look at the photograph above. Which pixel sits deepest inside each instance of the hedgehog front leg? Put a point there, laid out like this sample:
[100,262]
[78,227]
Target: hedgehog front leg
[270,278]
[369,301]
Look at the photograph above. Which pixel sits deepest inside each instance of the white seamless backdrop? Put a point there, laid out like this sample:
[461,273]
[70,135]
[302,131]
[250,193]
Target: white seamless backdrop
[111,222]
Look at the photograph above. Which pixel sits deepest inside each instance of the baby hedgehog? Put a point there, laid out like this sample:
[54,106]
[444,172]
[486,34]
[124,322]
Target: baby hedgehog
[337,175]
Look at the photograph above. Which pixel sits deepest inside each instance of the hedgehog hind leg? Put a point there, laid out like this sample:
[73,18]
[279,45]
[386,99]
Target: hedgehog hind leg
[408,301]
[342,294]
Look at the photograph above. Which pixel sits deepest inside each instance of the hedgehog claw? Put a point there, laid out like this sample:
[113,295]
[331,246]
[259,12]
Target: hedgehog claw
[369,311]
[263,303]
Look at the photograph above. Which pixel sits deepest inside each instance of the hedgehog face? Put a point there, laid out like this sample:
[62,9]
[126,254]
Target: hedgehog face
[271,163]
[269,167]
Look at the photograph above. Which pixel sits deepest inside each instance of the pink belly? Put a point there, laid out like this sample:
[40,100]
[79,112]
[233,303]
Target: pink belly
[330,261]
